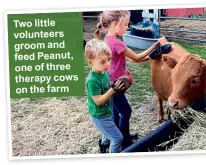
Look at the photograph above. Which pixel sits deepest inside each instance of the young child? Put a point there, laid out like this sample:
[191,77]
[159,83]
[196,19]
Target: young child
[115,23]
[99,94]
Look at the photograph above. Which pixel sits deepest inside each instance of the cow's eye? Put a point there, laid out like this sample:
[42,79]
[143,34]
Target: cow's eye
[195,82]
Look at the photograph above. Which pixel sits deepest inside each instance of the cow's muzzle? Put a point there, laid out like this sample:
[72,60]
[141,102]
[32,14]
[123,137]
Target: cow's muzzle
[176,103]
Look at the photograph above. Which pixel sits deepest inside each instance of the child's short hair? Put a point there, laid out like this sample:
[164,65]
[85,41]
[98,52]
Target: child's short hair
[95,48]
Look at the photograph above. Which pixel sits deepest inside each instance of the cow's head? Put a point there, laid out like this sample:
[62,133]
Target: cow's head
[188,79]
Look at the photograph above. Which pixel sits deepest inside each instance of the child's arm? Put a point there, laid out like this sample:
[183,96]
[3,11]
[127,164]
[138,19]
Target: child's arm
[101,99]
[141,56]
[142,60]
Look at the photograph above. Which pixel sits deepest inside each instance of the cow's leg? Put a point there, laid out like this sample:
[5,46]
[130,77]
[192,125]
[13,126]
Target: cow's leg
[160,110]
[169,113]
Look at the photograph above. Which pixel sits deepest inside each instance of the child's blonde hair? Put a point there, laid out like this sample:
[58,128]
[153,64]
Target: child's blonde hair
[95,48]
[107,17]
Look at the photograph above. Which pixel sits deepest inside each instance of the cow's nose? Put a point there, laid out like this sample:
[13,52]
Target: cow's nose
[172,102]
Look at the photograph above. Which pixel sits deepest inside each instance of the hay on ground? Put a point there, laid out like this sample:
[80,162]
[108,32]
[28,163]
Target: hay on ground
[191,25]
[62,126]
[193,138]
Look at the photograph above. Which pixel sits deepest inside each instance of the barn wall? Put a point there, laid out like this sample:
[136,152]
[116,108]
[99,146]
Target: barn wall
[183,12]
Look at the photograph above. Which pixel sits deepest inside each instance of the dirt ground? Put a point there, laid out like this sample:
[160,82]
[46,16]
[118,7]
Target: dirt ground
[61,126]
[53,126]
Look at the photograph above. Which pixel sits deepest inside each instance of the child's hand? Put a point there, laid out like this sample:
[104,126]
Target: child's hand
[132,61]
[118,86]
[155,44]
[162,40]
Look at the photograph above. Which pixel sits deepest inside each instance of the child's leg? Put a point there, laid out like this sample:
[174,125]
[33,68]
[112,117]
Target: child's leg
[115,116]
[122,106]
[107,127]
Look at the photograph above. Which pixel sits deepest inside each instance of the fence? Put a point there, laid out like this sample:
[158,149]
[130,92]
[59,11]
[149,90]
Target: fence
[156,15]
[184,31]
[156,18]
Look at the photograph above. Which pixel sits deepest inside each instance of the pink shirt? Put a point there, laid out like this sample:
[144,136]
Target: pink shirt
[118,60]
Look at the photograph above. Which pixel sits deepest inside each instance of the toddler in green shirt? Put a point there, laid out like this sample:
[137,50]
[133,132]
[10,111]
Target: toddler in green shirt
[100,94]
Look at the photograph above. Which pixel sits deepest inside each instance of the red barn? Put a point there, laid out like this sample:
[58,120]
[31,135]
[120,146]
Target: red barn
[184,12]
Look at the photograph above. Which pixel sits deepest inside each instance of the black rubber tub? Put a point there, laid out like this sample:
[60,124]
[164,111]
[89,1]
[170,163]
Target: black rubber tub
[169,130]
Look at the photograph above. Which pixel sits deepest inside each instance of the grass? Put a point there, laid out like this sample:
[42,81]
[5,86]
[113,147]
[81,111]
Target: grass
[142,82]
[141,73]
[194,48]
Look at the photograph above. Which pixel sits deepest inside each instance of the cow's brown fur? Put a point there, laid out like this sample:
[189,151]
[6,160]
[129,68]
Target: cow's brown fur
[178,77]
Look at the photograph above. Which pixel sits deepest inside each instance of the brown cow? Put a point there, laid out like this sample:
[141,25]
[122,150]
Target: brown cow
[178,77]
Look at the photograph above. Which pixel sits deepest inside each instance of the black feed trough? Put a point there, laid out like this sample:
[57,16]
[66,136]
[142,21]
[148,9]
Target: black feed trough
[169,130]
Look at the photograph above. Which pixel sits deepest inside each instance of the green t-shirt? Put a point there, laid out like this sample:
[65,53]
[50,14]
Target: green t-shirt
[98,84]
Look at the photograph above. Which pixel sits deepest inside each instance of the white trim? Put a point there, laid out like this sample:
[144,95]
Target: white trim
[147,15]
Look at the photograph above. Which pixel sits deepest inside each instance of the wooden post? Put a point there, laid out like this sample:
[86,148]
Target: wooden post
[155,16]
[147,15]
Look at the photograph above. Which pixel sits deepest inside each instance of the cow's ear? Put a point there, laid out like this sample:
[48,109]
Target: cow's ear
[170,61]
